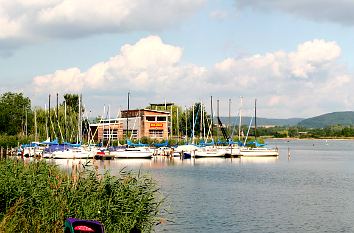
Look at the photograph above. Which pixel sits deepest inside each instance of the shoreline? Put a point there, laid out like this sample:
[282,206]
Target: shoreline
[293,139]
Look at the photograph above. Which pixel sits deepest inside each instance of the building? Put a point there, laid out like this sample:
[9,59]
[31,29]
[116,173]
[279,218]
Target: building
[134,123]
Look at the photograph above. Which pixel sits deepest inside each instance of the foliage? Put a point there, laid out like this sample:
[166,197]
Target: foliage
[13,141]
[326,120]
[38,197]
[72,101]
[14,109]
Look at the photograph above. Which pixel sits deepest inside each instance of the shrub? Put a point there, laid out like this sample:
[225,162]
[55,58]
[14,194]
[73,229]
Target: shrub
[38,197]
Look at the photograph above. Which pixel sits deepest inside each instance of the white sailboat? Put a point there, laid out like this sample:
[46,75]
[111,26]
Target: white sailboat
[133,153]
[73,153]
[257,151]
[209,152]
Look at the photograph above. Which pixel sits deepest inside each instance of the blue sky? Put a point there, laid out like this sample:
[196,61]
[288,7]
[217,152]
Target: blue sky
[296,58]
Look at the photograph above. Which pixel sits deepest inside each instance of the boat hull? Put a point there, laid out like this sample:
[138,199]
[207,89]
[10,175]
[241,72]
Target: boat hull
[131,153]
[256,152]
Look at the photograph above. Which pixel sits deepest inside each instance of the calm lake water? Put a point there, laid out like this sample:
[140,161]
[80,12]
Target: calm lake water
[313,191]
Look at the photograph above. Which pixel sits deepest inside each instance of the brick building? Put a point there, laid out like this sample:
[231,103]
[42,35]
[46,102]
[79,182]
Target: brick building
[139,123]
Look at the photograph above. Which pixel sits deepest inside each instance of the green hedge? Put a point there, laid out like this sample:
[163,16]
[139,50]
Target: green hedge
[38,197]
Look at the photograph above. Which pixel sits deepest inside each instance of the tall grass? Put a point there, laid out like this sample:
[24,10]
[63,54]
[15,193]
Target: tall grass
[38,197]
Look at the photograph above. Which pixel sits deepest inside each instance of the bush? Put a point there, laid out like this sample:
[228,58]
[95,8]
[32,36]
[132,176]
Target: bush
[38,197]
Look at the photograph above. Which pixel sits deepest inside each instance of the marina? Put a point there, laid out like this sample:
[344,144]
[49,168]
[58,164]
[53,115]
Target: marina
[308,192]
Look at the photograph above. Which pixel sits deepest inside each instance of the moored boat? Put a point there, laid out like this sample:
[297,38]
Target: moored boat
[133,153]
[209,152]
[258,152]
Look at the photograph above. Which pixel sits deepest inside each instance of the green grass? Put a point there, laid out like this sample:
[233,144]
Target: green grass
[38,197]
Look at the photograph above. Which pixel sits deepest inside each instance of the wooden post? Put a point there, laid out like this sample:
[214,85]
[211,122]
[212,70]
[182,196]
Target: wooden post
[1,152]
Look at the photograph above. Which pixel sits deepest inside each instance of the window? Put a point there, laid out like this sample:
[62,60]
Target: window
[160,118]
[133,133]
[150,118]
[156,133]
[110,134]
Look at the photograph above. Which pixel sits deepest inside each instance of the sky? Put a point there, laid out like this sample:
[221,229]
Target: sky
[295,57]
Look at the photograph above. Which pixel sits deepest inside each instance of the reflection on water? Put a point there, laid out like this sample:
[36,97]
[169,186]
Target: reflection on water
[159,162]
[260,160]
[310,192]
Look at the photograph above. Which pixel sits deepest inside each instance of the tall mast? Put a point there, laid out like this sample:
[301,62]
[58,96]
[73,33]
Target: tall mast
[255,120]
[240,121]
[46,120]
[26,125]
[35,125]
[50,135]
[186,125]
[79,122]
[171,117]
[201,119]
[57,108]
[65,138]
[109,125]
[230,116]
[193,126]
[218,115]
[57,115]
[177,124]
[128,116]
[212,116]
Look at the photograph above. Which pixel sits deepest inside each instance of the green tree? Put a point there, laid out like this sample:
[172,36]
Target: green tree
[15,113]
[72,101]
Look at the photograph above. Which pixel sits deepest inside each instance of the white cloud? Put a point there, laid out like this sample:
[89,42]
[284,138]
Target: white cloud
[296,83]
[28,21]
[339,11]
[218,14]
[149,65]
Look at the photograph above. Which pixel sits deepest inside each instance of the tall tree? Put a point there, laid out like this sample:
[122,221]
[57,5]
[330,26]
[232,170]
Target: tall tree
[72,101]
[15,113]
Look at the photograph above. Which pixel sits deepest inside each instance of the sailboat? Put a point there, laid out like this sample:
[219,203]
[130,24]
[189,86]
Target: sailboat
[258,150]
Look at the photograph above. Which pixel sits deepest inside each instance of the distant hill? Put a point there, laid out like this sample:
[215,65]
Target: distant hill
[262,121]
[334,118]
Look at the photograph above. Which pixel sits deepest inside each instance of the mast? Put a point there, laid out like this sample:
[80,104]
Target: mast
[255,120]
[26,125]
[230,116]
[186,125]
[212,116]
[65,121]
[46,121]
[177,126]
[57,109]
[109,125]
[35,125]
[79,123]
[50,135]
[127,116]
[193,126]
[240,121]
[171,116]
[201,119]
[218,116]
[203,108]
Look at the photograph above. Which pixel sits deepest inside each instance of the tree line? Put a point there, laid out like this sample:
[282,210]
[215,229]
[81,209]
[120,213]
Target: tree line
[20,122]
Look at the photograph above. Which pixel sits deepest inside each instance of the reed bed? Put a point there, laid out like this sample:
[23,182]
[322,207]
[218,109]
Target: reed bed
[38,197]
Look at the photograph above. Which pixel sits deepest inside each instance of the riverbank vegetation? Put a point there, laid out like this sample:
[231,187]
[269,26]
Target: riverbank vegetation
[38,197]
[21,123]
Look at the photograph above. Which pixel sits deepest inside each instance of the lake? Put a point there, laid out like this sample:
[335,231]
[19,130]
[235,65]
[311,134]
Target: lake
[312,191]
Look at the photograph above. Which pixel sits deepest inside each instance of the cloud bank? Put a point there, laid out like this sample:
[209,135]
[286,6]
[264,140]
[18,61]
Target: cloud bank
[309,80]
[30,21]
[339,11]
